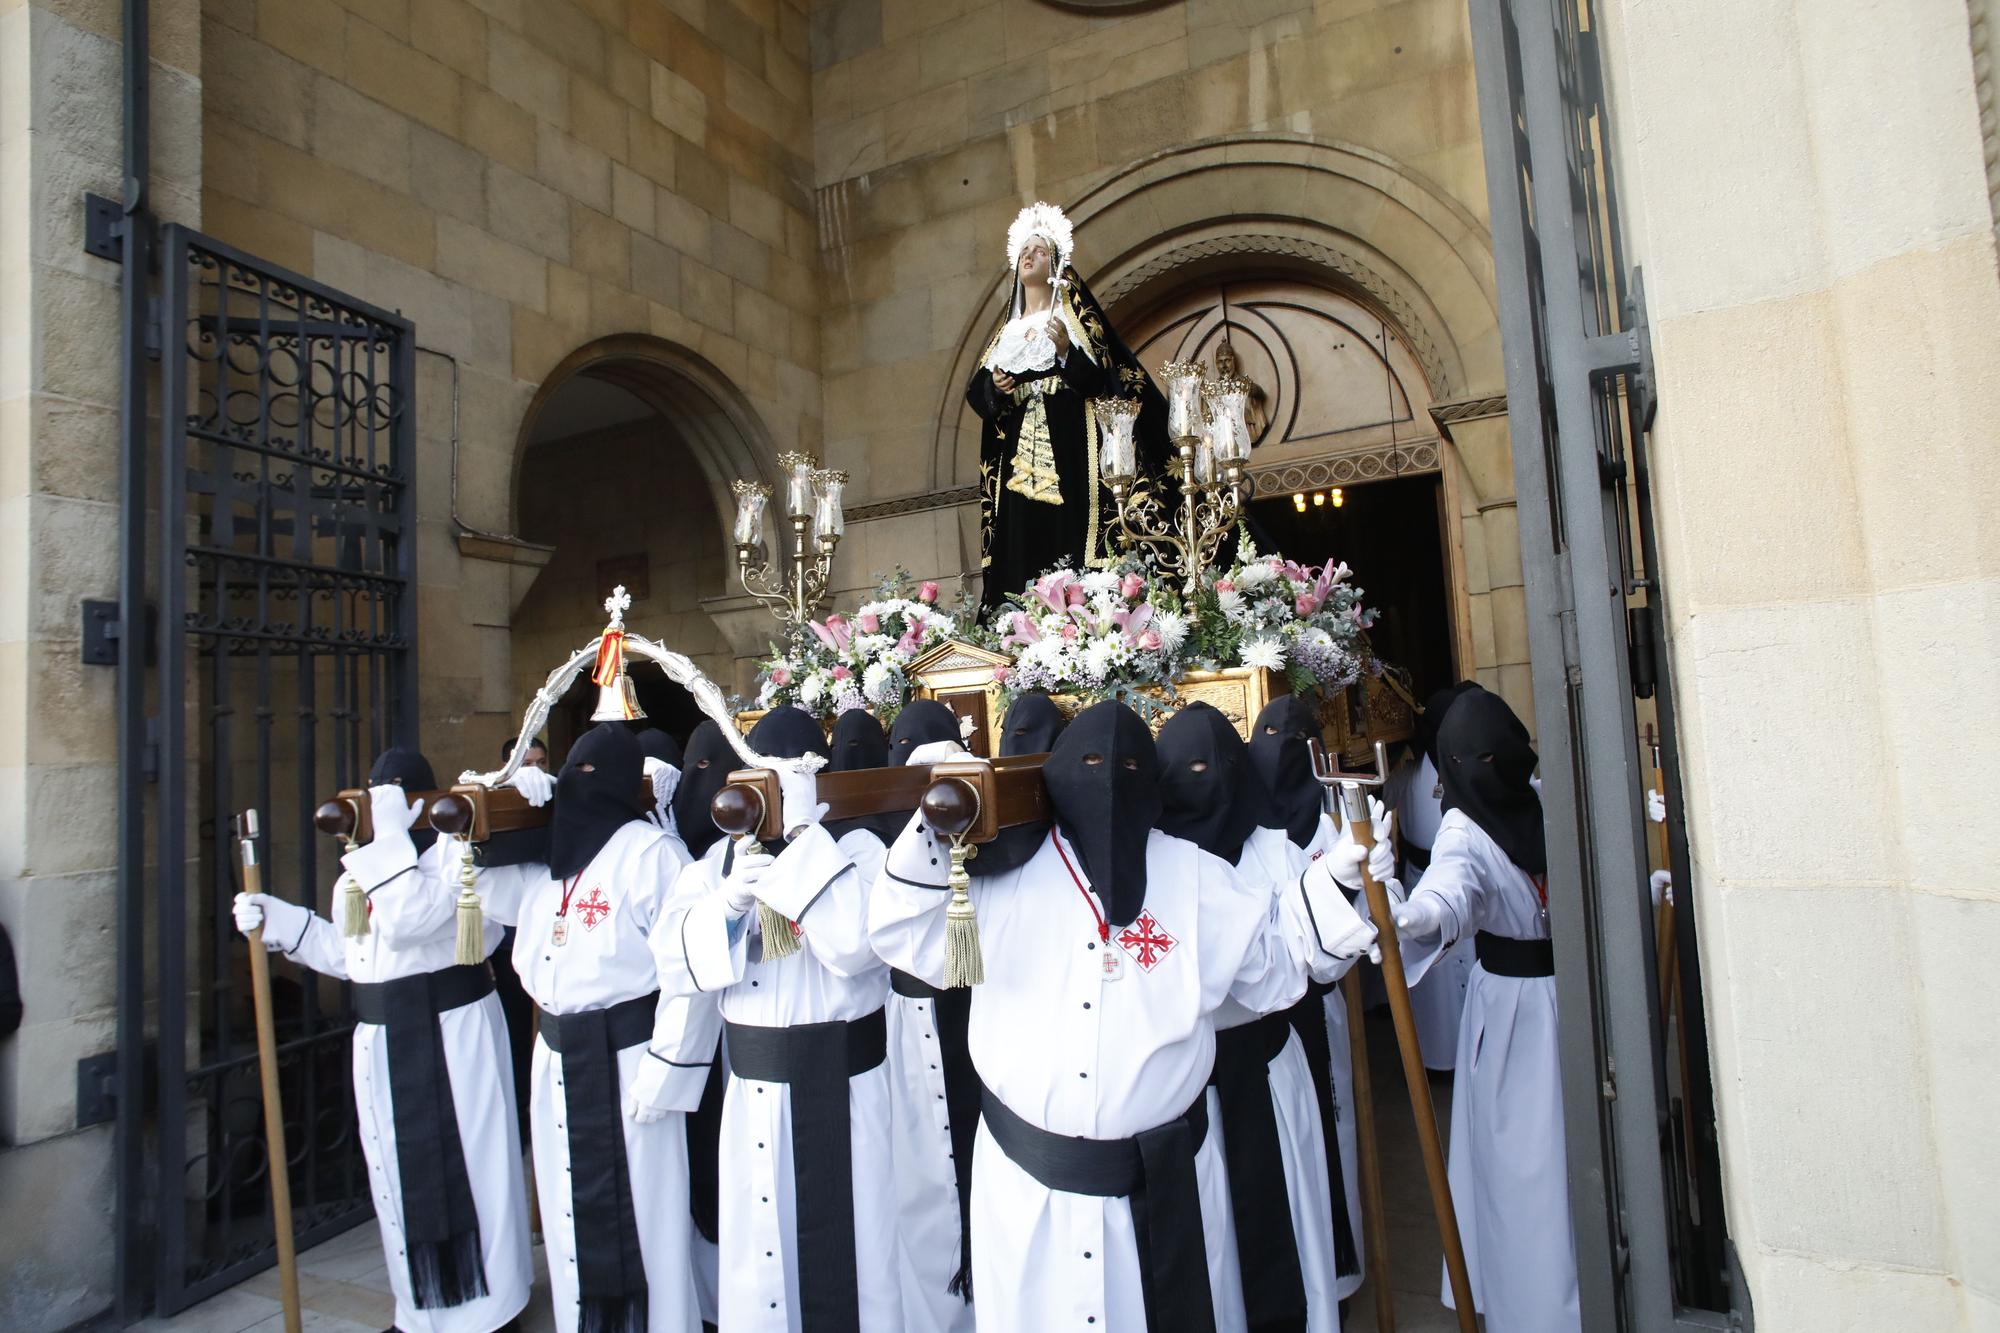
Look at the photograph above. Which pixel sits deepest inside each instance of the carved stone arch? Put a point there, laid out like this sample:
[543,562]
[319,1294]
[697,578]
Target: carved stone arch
[708,412]
[1355,217]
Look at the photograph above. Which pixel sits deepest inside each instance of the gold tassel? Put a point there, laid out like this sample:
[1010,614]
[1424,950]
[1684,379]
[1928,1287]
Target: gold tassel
[353,907]
[963,963]
[779,941]
[471,919]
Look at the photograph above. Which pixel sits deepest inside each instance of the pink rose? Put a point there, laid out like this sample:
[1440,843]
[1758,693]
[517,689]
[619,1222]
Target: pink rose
[1074,594]
[1131,586]
[1069,631]
[1150,640]
[927,593]
[841,673]
[1224,585]
[1305,604]
[835,619]
[781,676]
[870,623]
[1000,674]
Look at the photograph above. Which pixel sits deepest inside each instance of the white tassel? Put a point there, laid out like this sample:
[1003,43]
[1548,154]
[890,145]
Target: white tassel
[353,907]
[780,935]
[471,918]
[964,965]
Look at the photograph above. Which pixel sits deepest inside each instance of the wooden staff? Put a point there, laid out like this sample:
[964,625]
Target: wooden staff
[267,1064]
[1354,802]
[1666,946]
[1374,1217]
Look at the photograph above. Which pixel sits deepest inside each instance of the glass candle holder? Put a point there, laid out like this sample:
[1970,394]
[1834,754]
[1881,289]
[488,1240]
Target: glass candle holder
[1183,398]
[1117,455]
[1204,463]
[751,497]
[798,484]
[829,522]
[1228,407]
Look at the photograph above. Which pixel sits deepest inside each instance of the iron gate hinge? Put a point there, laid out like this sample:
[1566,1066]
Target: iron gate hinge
[1566,621]
[103,227]
[153,328]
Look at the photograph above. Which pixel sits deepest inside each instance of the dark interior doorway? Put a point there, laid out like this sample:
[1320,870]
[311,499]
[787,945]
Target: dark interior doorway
[1390,535]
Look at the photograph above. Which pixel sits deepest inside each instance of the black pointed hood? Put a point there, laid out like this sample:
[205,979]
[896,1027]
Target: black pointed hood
[1488,761]
[1432,717]
[657,744]
[596,795]
[705,766]
[408,769]
[1292,799]
[1207,792]
[921,722]
[1032,726]
[859,742]
[787,733]
[1104,780]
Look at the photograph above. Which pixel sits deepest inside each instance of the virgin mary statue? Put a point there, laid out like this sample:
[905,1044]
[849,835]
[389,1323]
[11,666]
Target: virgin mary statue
[1042,503]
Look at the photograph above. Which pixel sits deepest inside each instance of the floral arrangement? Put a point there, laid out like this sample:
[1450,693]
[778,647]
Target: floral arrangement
[1097,635]
[860,661]
[1306,621]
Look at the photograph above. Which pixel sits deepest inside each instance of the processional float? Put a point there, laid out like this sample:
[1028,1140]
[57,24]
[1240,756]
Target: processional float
[966,802]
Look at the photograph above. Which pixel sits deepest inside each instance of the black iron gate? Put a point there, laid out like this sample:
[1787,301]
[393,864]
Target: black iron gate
[285,582]
[1651,1239]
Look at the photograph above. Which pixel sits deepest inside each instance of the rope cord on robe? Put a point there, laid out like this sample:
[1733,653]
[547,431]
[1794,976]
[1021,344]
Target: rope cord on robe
[1155,1172]
[440,1222]
[816,1060]
[611,1270]
[1267,1247]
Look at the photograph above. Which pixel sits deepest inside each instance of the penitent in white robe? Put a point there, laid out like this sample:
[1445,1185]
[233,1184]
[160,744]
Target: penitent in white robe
[412,930]
[1509,1172]
[1269,858]
[707,951]
[616,906]
[1078,1052]
[1341,1040]
[1439,1000]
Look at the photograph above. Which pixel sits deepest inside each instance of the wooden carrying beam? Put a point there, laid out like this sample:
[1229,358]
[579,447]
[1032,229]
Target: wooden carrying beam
[1010,792]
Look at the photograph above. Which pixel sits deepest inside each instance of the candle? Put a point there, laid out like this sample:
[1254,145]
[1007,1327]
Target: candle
[1116,455]
[750,499]
[1228,405]
[1204,463]
[798,484]
[1183,398]
[828,520]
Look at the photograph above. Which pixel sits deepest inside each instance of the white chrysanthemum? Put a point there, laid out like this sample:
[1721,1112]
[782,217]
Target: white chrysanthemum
[873,645]
[1253,576]
[1101,580]
[881,682]
[812,689]
[1231,603]
[1264,652]
[1172,628]
[1101,656]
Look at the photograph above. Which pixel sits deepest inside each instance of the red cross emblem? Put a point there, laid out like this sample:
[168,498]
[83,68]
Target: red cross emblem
[1146,941]
[594,909]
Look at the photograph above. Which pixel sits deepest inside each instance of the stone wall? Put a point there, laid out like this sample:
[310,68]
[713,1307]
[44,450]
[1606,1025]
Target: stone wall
[1824,305]
[1339,136]
[521,178]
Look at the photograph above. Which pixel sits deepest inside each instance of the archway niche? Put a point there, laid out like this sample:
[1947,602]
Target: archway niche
[623,466]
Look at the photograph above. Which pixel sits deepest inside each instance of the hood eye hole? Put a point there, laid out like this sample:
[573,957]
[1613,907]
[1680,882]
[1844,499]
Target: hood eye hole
[1130,765]
[1093,760]
[701,763]
[586,768]
[1270,731]
[1198,766]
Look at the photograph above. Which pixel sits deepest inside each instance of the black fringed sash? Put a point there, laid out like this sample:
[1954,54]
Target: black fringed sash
[951,1015]
[440,1222]
[610,1268]
[1308,1019]
[816,1060]
[1267,1248]
[704,1138]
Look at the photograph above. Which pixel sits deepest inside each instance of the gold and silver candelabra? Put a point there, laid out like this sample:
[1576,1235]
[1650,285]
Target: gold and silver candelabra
[813,509]
[1211,435]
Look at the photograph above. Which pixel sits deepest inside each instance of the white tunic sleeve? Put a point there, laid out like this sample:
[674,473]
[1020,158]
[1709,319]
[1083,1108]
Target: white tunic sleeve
[413,905]
[1453,877]
[502,889]
[906,921]
[319,947]
[700,945]
[1248,953]
[685,1026]
[814,882]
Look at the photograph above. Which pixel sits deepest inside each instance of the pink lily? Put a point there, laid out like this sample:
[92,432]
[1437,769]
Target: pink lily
[1053,589]
[1021,631]
[840,672]
[1133,621]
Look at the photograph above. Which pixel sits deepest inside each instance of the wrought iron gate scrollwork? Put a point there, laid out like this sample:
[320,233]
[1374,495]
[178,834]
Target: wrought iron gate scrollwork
[287,661]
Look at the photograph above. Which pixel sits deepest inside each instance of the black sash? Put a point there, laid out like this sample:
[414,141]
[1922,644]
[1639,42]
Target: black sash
[1155,1171]
[1417,857]
[610,1268]
[1504,956]
[817,1060]
[440,1223]
[1267,1248]
[704,1136]
[1308,1019]
[951,1016]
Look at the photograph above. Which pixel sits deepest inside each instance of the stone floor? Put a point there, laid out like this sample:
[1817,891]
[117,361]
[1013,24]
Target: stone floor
[344,1285]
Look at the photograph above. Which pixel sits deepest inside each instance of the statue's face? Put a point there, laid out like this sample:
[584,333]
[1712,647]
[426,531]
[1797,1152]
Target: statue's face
[1035,259]
[1225,360]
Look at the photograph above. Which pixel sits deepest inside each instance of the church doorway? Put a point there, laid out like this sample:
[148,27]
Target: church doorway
[1345,457]
[620,455]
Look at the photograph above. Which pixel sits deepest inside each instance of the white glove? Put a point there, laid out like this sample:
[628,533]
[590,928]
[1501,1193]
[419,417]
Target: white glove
[1663,887]
[1344,861]
[284,923]
[647,1101]
[392,809]
[1422,917]
[1656,806]
[801,804]
[739,886]
[535,784]
[666,779]
[936,752]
